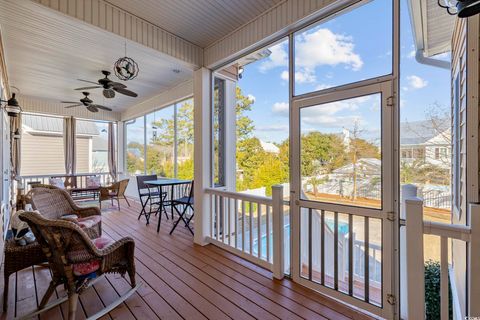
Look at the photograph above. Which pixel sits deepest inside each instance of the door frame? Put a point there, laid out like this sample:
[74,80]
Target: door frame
[386,89]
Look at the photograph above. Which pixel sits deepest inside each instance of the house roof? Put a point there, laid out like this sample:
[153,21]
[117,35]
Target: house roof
[51,125]
[420,132]
[366,165]
[269,147]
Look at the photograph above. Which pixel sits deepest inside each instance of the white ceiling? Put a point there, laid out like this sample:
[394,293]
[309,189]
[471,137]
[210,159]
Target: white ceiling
[201,22]
[46,52]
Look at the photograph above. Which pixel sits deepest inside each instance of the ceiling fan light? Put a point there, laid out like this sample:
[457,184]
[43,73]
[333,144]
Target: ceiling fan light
[468,8]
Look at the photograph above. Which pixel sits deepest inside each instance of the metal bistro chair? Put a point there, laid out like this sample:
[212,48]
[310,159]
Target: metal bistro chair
[150,196]
[182,205]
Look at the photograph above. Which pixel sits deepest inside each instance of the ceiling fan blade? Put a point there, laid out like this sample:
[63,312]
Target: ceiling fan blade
[88,81]
[117,85]
[88,88]
[108,93]
[100,107]
[68,101]
[74,105]
[92,108]
[126,92]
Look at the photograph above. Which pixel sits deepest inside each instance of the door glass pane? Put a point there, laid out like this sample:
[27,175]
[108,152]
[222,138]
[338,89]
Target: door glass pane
[340,158]
[135,146]
[160,142]
[337,51]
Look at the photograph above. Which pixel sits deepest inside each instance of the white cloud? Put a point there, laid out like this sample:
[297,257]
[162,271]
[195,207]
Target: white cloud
[411,54]
[322,86]
[251,97]
[277,58]
[273,128]
[416,82]
[323,47]
[304,76]
[280,108]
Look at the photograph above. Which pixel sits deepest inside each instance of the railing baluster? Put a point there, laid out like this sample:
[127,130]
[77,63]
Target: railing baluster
[222,208]
[218,217]
[322,233]
[251,227]
[366,277]
[267,230]
[335,251]
[212,210]
[229,220]
[350,254]
[244,241]
[259,230]
[444,278]
[310,244]
[235,226]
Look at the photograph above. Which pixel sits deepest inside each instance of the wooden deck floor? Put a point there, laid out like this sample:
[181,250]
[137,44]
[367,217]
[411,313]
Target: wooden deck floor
[180,280]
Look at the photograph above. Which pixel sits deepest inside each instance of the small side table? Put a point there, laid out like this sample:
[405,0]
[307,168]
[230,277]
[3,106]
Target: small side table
[18,258]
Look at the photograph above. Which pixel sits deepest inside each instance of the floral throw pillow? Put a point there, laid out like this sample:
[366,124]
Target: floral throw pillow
[93,182]
[57,182]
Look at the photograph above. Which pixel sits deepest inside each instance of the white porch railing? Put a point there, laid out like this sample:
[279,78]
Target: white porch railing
[249,226]
[415,229]
[81,180]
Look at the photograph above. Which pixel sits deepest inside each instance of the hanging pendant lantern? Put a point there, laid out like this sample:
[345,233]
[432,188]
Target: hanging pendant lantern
[126,68]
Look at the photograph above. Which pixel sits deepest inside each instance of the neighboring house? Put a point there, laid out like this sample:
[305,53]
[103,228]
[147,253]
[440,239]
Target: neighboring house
[269,147]
[427,140]
[42,145]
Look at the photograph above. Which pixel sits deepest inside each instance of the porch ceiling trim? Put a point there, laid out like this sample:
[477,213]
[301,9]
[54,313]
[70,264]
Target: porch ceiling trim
[113,19]
[277,21]
[432,27]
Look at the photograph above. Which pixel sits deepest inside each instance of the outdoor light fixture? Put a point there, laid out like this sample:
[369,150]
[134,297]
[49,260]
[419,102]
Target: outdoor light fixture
[462,8]
[240,72]
[126,68]
[12,107]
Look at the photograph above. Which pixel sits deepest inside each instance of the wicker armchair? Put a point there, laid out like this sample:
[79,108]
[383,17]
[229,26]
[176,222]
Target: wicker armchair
[114,192]
[68,249]
[53,203]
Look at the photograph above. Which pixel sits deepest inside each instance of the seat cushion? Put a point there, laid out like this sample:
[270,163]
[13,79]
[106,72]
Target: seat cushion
[184,200]
[89,222]
[85,268]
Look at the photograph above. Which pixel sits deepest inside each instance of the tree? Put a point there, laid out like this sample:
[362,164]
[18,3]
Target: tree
[270,172]
[358,148]
[321,152]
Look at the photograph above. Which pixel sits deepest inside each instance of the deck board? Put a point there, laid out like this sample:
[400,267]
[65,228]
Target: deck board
[181,280]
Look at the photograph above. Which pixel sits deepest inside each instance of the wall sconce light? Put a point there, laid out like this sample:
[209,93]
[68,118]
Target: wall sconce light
[12,107]
[240,72]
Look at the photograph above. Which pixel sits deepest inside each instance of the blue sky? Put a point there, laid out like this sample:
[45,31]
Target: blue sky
[351,47]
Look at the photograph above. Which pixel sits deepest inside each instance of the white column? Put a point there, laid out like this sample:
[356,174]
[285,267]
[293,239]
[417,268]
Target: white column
[409,191]
[230,135]
[202,83]
[474,262]
[278,232]
[414,275]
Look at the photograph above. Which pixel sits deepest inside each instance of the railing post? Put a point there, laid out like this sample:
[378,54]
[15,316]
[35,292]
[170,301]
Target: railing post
[473,264]
[278,232]
[415,269]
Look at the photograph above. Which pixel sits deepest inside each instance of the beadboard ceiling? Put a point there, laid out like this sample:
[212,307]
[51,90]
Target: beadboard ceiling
[201,22]
[47,51]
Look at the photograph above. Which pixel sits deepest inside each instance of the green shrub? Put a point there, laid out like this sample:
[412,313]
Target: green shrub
[432,291]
